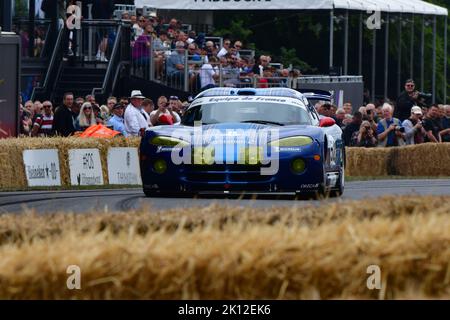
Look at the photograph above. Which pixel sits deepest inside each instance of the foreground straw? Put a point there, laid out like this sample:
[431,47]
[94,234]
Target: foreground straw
[233,253]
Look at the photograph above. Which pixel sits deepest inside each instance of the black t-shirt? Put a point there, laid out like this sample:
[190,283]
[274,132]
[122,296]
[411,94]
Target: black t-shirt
[348,133]
[63,122]
[434,125]
[404,105]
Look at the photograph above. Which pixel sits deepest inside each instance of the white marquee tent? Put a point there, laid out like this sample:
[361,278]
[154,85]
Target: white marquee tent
[401,8]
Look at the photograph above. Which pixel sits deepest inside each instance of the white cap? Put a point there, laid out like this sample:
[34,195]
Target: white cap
[416,110]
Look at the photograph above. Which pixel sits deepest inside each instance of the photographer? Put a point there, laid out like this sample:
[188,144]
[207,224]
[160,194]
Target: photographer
[365,137]
[406,100]
[370,115]
[414,131]
[351,128]
[164,114]
[389,130]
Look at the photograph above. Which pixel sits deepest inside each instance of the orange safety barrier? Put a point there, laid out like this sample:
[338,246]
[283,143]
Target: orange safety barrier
[98,131]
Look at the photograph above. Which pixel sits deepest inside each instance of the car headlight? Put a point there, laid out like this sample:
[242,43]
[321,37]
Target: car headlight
[298,141]
[168,142]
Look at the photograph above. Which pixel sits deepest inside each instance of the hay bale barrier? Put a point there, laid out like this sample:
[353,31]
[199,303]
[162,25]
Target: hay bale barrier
[421,160]
[216,252]
[424,160]
[12,171]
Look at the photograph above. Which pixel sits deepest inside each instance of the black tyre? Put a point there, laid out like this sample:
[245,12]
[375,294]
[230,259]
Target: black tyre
[340,189]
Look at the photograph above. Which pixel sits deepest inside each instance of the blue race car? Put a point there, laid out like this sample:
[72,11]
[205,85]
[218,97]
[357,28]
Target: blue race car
[246,140]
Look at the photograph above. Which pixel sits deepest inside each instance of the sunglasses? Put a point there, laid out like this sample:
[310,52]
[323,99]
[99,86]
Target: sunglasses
[173,98]
[88,108]
[47,106]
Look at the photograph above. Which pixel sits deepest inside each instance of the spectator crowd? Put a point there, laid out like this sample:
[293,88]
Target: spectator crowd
[178,54]
[408,121]
[371,126]
[129,116]
[167,44]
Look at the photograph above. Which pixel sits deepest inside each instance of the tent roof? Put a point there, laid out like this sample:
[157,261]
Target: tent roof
[403,6]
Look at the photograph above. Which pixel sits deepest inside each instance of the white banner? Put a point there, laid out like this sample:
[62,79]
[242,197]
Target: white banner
[123,166]
[85,167]
[42,167]
[235,4]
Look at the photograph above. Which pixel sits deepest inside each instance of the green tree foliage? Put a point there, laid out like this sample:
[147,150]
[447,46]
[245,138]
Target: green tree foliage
[236,30]
[301,38]
[21,8]
[290,57]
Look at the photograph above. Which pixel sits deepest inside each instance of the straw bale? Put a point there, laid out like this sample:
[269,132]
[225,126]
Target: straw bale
[221,252]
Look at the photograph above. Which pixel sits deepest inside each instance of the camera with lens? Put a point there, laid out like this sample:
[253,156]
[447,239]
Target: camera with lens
[424,96]
[400,129]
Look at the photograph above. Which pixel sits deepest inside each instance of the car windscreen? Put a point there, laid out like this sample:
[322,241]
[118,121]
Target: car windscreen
[243,111]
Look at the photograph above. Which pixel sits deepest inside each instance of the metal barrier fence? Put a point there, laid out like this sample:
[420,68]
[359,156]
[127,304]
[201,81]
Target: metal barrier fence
[95,40]
[180,69]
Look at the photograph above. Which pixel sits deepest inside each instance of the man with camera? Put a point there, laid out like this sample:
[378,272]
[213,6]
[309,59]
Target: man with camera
[414,131]
[389,130]
[365,137]
[370,115]
[408,99]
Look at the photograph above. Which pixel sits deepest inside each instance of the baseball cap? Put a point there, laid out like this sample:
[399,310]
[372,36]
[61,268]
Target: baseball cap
[417,110]
[117,106]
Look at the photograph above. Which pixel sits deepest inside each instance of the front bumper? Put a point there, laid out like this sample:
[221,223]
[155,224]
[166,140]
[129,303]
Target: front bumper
[236,177]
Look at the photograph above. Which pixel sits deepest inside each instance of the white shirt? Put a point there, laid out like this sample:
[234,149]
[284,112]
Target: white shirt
[206,75]
[138,31]
[222,53]
[147,116]
[134,120]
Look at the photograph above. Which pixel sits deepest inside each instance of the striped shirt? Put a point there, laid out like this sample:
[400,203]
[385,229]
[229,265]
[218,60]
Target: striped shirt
[45,124]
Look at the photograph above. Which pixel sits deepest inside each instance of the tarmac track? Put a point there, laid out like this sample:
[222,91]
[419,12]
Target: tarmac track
[128,199]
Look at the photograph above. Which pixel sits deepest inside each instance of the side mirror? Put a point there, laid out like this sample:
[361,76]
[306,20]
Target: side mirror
[327,122]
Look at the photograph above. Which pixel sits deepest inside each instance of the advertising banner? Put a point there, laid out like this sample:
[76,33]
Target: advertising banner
[123,166]
[42,167]
[85,167]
